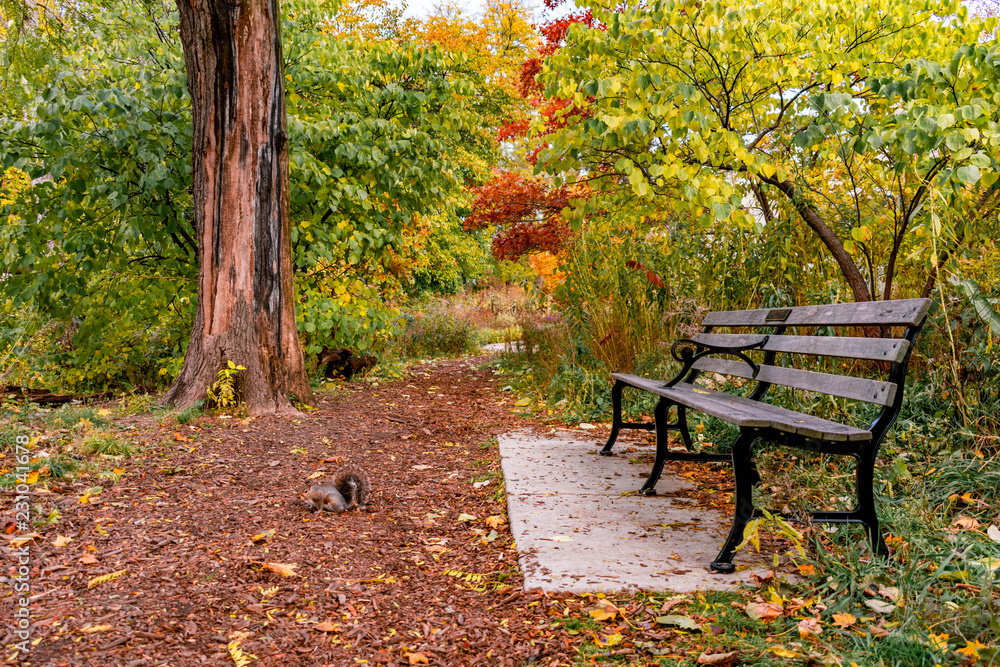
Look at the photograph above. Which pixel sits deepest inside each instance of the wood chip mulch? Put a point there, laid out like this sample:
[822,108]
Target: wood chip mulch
[183,560]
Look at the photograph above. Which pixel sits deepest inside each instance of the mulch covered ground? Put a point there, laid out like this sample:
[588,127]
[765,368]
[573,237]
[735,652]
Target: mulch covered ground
[202,553]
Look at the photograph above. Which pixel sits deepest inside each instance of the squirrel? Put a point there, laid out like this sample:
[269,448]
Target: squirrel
[350,487]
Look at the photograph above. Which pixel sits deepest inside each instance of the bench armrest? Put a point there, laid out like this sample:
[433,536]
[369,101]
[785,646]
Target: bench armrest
[688,351]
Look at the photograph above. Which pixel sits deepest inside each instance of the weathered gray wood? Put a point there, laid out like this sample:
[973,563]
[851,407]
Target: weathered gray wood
[847,347]
[901,312]
[746,413]
[859,389]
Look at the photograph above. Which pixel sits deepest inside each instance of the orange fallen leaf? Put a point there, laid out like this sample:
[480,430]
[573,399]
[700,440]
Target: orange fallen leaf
[61,541]
[415,658]
[326,626]
[764,611]
[844,620]
[494,521]
[810,628]
[282,569]
[180,438]
[87,559]
[807,570]
[966,522]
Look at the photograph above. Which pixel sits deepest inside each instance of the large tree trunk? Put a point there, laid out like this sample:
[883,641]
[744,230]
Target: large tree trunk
[246,310]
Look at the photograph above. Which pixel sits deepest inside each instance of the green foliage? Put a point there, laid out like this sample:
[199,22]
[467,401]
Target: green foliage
[437,334]
[223,392]
[732,114]
[189,414]
[71,416]
[134,404]
[107,445]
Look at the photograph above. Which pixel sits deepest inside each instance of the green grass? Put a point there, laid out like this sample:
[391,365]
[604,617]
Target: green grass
[69,416]
[107,445]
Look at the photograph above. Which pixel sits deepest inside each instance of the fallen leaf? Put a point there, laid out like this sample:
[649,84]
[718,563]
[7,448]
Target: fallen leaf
[587,427]
[782,652]
[890,593]
[810,628]
[466,517]
[87,559]
[966,522]
[764,611]
[84,499]
[722,659]
[61,541]
[32,477]
[939,642]
[682,622]
[318,473]
[522,402]
[604,611]
[96,628]
[415,658]
[609,640]
[282,569]
[844,620]
[971,649]
[494,521]
[807,570]
[561,538]
[260,537]
[880,607]
[326,626]
[20,540]
[994,533]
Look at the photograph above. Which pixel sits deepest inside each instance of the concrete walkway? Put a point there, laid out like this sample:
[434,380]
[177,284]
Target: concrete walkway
[575,531]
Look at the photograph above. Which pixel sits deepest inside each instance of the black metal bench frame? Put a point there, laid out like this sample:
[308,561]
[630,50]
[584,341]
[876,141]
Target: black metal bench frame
[762,421]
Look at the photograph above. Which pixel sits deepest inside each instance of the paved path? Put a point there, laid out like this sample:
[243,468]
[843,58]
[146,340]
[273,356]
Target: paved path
[575,531]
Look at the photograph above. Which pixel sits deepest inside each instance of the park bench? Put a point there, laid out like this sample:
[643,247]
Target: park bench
[762,347]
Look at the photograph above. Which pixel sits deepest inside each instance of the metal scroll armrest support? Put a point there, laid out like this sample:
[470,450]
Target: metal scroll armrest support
[688,351]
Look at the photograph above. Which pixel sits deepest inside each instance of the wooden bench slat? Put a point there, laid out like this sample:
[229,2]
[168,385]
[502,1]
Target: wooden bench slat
[846,347]
[901,312]
[746,413]
[859,389]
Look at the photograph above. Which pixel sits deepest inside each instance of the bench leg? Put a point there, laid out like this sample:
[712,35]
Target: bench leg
[682,426]
[744,475]
[866,504]
[662,448]
[616,424]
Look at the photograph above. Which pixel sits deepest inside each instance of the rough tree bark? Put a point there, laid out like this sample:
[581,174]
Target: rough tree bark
[246,310]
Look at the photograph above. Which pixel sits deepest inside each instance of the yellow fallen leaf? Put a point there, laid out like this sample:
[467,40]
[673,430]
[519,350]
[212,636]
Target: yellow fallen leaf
[603,611]
[784,652]
[844,620]
[84,499]
[522,402]
[61,541]
[466,517]
[561,538]
[96,628]
[282,569]
[33,477]
[416,658]
[318,473]
[971,649]
[260,537]
[939,642]
[104,578]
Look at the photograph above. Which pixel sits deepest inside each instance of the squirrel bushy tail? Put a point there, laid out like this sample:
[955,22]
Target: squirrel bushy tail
[350,487]
[352,482]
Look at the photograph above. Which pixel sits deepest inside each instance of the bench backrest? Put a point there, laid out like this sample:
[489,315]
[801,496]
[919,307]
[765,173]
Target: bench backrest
[768,325]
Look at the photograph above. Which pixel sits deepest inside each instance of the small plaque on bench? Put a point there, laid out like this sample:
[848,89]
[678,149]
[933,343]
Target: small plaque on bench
[778,315]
